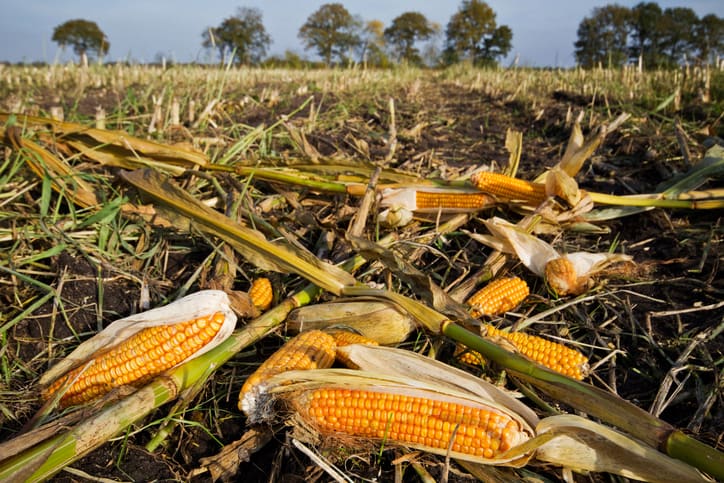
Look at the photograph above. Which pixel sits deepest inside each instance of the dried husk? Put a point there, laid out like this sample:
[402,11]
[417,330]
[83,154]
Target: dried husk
[377,320]
[584,445]
[537,255]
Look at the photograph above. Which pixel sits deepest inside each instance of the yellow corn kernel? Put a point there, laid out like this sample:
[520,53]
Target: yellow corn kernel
[409,419]
[312,349]
[498,297]
[509,188]
[469,357]
[136,360]
[261,293]
[347,337]
[551,354]
[442,200]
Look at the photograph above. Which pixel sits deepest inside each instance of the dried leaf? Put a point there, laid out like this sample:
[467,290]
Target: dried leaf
[421,283]
[250,243]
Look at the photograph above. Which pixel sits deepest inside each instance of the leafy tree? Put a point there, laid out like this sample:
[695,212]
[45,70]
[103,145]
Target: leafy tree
[677,33]
[432,53]
[84,36]
[372,44]
[332,31]
[473,33]
[405,31]
[645,25]
[709,37]
[243,34]
[660,37]
[603,37]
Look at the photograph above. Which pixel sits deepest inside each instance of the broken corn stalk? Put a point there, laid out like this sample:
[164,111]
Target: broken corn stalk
[498,297]
[261,293]
[507,188]
[309,350]
[133,350]
[552,355]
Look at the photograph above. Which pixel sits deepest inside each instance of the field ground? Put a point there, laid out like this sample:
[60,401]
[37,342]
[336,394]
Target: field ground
[652,333]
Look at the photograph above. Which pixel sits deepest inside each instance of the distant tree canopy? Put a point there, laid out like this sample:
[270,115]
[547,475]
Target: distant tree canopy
[84,36]
[602,37]
[405,31]
[242,34]
[473,34]
[613,35]
[372,45]
[332,31]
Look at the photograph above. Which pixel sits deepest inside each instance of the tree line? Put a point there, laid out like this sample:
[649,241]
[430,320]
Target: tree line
[337,37]
[612,35]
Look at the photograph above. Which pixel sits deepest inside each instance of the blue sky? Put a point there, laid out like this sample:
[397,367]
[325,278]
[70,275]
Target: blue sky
[140,30]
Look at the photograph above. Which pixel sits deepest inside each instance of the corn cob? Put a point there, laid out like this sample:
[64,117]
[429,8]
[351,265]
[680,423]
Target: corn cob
[509,188]
[346,337]
[562,277]
[551,354]
[498,297]
[449,200]
[312,349]
[136,360]
[406,418]
[261,293]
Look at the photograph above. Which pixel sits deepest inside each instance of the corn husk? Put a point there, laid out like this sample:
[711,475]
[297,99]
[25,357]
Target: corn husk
[537,256]
[391,361]
[380,321]
[199,304]
[584,445]
[566,440]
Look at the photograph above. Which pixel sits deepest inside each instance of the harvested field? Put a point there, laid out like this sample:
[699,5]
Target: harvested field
[291,154]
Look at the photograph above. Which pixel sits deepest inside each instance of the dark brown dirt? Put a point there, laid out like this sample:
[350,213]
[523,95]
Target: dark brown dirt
[442,130]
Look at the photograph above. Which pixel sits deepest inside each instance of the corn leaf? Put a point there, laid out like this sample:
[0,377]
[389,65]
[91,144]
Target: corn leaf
[250,243]
[131,144]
